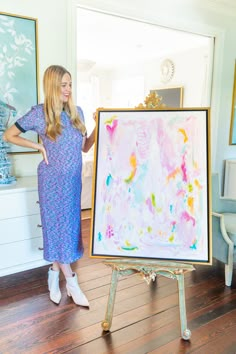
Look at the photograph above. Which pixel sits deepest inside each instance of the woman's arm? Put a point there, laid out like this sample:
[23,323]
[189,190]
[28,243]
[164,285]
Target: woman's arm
[89,141]
[12,135]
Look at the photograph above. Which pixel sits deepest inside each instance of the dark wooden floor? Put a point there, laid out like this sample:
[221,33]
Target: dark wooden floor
[146,317]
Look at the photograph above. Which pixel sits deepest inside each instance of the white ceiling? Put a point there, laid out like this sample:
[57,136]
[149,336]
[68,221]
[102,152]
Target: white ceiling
[108,41]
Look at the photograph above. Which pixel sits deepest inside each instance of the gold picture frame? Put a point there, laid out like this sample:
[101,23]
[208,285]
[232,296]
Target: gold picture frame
[142,170]
[232,136]
[172,97]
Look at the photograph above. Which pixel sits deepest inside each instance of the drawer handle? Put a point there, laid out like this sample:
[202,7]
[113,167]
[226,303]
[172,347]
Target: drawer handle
[39,225]
[37,202]
[40,248]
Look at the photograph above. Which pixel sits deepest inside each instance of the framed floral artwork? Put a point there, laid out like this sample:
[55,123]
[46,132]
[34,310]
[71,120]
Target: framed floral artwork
[18,70]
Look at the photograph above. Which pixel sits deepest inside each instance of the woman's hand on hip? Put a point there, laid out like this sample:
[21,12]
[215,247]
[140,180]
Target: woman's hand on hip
[44,152]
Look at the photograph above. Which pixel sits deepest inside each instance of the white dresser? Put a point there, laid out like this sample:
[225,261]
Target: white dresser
[20,227]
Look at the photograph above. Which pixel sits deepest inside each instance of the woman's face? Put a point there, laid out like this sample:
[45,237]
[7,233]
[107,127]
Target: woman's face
[66,85]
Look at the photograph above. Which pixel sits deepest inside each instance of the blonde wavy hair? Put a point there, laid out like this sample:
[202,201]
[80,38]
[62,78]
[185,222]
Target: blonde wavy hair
[53,105]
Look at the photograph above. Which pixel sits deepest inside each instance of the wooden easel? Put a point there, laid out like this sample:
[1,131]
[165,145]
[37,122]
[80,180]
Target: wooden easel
[148,270]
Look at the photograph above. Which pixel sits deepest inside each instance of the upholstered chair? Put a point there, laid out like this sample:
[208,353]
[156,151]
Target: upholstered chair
[223,229]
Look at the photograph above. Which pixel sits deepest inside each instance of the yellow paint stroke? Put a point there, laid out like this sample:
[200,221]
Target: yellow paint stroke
[171,238]
[108,208]
[131,176]
[133,164]
[133,161]
[127,243]
[110,120]
[190,187]
[184,134]
[197,184]
[153,199]
[190,202]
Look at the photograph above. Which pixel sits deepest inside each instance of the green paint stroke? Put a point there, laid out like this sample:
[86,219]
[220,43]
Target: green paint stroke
[129,248]
[153,200]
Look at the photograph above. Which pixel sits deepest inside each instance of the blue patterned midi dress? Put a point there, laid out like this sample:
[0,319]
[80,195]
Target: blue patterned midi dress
[59,187]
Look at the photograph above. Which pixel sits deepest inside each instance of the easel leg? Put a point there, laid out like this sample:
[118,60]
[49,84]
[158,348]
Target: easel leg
[185,332]
[106,324]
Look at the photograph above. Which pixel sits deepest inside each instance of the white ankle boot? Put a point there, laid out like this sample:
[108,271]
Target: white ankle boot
[53,285]
[74,290]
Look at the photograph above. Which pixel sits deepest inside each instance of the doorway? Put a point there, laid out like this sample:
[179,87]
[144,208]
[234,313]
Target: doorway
[119,61]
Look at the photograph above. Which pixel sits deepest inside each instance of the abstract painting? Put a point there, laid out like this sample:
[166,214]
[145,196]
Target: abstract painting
[151,185]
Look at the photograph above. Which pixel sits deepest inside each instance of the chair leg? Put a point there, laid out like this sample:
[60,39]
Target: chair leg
[228,274]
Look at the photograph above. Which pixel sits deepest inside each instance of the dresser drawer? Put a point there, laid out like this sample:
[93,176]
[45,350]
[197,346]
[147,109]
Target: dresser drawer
[19,204]
[19,253]
[17,229]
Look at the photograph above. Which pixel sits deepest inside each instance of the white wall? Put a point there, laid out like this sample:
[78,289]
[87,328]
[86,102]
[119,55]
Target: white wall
[52,49]
[185,75]
[126,84]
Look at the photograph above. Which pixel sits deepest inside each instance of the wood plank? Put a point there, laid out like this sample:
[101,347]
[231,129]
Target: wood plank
[146,317]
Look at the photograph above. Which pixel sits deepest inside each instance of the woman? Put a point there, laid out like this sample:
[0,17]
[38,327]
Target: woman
[60,125]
